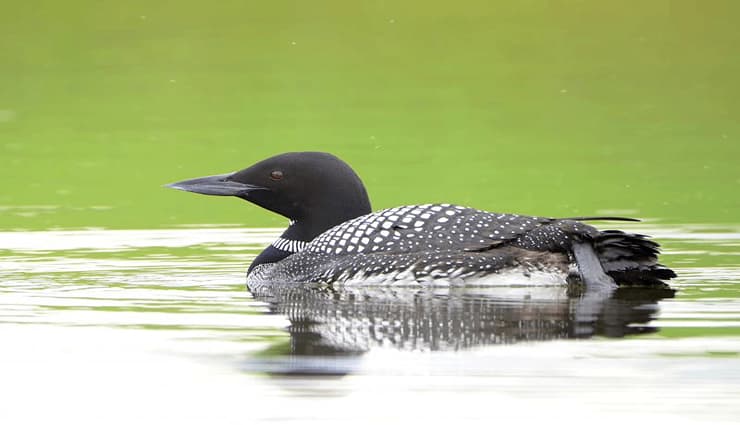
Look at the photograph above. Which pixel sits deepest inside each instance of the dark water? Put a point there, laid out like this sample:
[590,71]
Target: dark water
[349,321]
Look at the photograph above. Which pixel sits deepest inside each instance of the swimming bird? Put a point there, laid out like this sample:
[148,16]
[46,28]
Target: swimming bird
[334,237]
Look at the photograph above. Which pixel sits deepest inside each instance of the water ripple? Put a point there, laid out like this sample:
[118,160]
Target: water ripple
[173,296]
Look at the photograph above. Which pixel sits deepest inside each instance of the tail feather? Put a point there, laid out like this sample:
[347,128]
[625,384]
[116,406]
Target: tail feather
[631,259]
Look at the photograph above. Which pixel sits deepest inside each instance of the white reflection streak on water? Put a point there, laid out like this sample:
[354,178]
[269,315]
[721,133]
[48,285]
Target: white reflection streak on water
[159,337]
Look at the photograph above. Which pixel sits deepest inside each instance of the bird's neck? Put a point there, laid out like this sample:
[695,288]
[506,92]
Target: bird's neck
[303,230]
[320,219]
[306,230]
[294,239]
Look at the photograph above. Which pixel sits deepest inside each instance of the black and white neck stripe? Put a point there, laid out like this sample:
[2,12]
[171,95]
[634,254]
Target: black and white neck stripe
[289,245]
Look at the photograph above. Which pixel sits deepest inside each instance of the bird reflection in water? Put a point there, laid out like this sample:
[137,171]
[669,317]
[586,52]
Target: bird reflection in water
[349,321]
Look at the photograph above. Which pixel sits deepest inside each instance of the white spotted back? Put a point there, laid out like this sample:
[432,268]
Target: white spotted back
[429,227]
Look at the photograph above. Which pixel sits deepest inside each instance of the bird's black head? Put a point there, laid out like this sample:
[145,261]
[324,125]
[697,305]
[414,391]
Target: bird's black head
[316,190]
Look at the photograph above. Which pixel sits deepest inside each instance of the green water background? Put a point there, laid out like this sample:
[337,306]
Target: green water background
[539,107]
[551,108]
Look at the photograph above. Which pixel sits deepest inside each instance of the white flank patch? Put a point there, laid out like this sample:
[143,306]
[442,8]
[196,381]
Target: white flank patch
[510,283]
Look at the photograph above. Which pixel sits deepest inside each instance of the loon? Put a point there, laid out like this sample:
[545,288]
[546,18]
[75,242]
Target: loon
[334,237]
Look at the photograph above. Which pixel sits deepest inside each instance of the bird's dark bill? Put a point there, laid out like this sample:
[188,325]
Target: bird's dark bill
[219,185]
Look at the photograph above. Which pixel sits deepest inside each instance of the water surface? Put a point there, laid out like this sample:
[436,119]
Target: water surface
[94,320]
[558,108]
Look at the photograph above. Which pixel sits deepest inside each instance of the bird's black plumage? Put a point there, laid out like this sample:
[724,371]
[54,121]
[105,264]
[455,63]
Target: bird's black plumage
[334,238]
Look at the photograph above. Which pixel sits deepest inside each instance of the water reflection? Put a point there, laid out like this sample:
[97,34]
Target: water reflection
[350,321]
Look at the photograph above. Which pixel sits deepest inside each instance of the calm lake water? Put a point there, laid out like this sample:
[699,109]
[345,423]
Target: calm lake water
[560,108]
[131,325]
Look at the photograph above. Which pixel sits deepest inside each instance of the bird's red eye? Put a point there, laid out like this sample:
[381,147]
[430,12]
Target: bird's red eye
[276,175]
